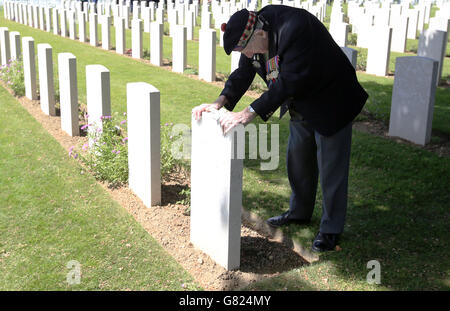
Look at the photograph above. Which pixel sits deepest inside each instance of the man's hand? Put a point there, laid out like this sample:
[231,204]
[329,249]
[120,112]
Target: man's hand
[197,111]
[219,103]
[232,119]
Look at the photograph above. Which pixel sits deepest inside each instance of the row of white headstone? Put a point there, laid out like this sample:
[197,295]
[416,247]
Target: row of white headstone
[143,107]
[416,77]
[216,198]
[387,29]
[180,34]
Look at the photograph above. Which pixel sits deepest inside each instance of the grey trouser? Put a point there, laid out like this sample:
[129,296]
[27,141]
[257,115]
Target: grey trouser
[309,156]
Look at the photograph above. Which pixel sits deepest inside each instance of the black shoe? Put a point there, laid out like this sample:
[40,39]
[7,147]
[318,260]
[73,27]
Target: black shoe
[325,242]
[283,220]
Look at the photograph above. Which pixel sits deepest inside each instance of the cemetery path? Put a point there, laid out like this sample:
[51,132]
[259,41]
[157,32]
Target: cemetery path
[261,257]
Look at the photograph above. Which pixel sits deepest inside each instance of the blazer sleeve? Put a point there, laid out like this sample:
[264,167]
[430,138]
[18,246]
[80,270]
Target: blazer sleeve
[295,70]
[238,82]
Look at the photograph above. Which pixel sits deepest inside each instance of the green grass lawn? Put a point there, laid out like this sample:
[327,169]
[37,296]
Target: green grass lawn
[51,214]
[398,199]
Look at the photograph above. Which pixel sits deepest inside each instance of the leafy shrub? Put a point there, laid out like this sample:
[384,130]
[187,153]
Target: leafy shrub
[168,162]
[361,62]
[107,154]
[12,74]
[352,39]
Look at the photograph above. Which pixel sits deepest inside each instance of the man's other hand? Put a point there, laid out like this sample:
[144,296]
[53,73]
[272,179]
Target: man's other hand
[230,120]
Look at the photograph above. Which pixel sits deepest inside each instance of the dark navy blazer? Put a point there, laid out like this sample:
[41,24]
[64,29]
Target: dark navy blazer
[314,74]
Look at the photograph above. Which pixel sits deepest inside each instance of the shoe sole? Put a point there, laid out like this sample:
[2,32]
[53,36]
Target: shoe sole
[319,250]
[298,222]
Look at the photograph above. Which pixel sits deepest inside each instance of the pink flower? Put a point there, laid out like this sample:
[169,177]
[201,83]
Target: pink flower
[71,150]
[85,147]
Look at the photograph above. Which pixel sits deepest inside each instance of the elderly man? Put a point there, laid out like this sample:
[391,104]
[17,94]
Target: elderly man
[308,75]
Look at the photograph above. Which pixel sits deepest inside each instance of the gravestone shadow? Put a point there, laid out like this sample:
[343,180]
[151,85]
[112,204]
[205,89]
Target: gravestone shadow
[171,193]
[262,256]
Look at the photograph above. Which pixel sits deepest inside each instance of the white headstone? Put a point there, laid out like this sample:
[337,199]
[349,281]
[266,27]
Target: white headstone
[413,15]
[146,18]
[413,98]
[63,22]
[179,49]
[379,51]
[207,55]
[339,32]
[399,33]
[173,22]
[35,16]
[106,32]
[216,191]
[14,40]
[5,48]
[190,22]
[41,18]
[206,20]
[48,19]
[56,29]
[432,44]
[160,15]
[93,29]
[29,67]
[82,27]
[98,97]
[68,90]
[144,142]
[156,43]
[46,86]
[72,25]
[136,38]
[120,35]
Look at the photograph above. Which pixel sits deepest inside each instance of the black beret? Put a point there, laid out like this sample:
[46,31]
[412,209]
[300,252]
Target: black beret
[234,30]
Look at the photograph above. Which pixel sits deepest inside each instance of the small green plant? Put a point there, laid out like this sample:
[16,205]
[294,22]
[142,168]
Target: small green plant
[352,39]
[106,153]
[168,162]
[361,62]
[57,94]
[190,71]
[186,193]
[12,74]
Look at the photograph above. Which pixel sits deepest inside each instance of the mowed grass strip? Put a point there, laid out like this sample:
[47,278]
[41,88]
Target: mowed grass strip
[398,214]
[52,213]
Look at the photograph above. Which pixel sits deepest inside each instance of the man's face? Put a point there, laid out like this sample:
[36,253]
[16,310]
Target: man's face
[259,43]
